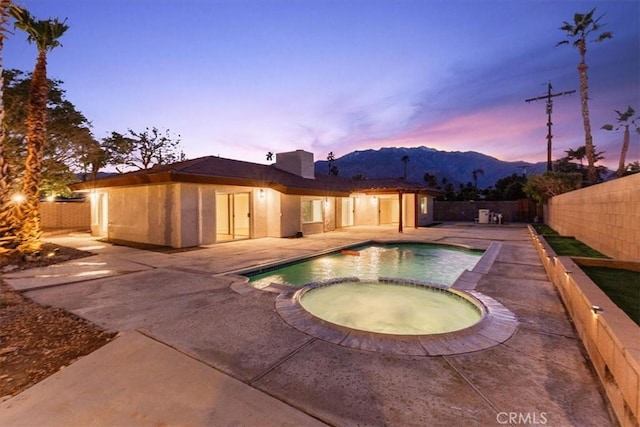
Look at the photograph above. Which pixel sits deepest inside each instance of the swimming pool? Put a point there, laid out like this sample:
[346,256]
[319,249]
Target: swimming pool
[426,262]
[390,268]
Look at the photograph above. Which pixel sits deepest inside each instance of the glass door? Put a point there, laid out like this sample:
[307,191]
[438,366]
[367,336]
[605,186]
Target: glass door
[232,216]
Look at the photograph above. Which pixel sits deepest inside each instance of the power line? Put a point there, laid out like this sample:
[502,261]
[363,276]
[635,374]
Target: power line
[549,107]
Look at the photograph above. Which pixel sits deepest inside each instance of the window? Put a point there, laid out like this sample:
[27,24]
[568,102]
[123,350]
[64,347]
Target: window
[424,204]
[312,210]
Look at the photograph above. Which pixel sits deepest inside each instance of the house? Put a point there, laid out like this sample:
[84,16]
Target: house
[212,199]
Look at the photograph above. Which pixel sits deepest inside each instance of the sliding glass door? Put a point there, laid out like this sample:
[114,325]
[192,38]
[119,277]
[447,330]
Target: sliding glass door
[232,216]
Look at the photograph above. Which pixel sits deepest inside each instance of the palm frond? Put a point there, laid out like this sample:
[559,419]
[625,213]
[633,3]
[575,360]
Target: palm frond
[604,36]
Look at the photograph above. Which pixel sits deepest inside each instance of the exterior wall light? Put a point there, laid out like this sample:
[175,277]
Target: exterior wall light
[596,309]
[17,198]
[261,193]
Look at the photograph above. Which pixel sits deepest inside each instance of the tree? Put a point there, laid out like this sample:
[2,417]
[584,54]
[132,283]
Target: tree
[566,165]
[578,154]
[542,187]
[333,169]
[141,150]
[449,192]
[623,122]
[45,34]
[90,158]
[405,160]
[474,174]
[431,180]
[8,224]
[583,26]
[508,188]
[67,136]
[632,168]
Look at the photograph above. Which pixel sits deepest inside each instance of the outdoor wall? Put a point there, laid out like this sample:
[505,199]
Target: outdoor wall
[610,337]
[65,215]
[273,213]
[139,214]
[330,214]
[425,218]
[605,216]
[206,214]
[512,211]
[366,210]
[409,214]
[290,220]
[185,215]
[259,214]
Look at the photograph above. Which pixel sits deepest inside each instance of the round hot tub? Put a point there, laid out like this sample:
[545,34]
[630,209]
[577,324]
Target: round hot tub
[397,316]
[387,307]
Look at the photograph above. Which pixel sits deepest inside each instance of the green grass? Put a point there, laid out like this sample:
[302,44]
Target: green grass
[621,286]
[569,246]
[544,229]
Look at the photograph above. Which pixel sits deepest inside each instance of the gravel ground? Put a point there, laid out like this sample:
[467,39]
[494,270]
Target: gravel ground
[37,341]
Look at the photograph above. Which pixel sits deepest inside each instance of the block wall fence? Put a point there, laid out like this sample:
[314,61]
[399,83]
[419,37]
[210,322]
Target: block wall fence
[610,337]
[604,216]
[57,215]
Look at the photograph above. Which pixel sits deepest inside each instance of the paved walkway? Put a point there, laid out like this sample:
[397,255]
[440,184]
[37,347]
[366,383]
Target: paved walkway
[191,351]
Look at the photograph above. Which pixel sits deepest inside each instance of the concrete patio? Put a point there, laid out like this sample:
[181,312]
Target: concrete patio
[192,351]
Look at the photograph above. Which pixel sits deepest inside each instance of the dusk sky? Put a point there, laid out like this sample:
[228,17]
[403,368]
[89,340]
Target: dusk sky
[239,78]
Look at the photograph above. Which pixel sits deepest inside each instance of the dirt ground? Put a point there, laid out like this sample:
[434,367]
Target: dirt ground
[37,341]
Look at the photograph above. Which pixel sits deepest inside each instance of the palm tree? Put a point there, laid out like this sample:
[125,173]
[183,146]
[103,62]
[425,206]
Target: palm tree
[405,160]
[45,34]
[623,122]
[8,223]
[431,180]
[583,26]
[474,174]
[330,159]
[577,154]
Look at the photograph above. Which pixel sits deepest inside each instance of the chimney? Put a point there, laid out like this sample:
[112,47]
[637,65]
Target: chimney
[297,162]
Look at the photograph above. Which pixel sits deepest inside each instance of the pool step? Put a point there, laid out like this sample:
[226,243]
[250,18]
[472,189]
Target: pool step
[469,278]
[280,288]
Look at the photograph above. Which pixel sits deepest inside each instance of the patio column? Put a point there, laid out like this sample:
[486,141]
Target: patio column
[400,214]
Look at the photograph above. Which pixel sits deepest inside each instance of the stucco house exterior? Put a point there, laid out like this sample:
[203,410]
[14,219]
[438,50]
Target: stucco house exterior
[212,199]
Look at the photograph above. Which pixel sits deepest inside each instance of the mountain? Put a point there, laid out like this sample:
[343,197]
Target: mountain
[456,166]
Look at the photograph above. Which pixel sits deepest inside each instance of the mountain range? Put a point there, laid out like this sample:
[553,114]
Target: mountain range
[457,167]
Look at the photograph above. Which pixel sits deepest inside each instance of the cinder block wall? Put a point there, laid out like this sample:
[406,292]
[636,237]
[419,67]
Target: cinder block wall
[604,216]
[65,215]
[610,336]
[512,211]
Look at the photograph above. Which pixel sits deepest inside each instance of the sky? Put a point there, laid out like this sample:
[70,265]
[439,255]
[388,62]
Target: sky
[240,78]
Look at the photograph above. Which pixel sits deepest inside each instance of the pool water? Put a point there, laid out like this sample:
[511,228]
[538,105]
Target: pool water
[391,308]
[426,262]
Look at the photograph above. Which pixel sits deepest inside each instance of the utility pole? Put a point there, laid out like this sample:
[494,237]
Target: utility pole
[549,99]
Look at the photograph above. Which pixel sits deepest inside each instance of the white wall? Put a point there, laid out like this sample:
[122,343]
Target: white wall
[290,221]
[426,218]
[139,214]
[366,210]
